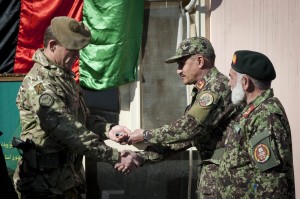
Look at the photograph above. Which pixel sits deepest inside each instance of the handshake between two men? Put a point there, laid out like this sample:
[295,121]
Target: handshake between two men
[129,160]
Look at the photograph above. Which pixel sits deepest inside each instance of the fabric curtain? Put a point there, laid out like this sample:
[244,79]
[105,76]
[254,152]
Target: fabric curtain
[110,60]
[112,57]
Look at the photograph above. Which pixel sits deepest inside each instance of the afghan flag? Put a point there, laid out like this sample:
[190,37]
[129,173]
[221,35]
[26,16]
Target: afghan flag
[111,58]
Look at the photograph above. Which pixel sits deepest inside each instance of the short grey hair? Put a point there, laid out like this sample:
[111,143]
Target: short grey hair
[262,85]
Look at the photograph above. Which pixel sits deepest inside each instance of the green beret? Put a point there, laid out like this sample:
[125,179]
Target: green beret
[254,64]
[70,33]
[192,46]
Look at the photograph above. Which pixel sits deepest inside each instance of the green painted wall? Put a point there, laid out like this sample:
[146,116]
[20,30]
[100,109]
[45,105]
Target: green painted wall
[9,122]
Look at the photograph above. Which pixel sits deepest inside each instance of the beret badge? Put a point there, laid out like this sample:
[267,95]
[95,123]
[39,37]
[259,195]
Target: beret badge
[74,26]
[234,59]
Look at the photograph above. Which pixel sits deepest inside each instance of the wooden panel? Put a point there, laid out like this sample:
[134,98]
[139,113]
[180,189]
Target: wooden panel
[273,28]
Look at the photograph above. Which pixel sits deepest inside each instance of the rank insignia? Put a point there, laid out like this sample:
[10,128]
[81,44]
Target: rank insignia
[46,100]
[39,88]
[206,99]
[261,153]
[249,110]
[200,84]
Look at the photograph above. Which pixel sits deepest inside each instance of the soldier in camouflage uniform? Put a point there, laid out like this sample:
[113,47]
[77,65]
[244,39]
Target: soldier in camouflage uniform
[205,119]
[257,162]
[57,128]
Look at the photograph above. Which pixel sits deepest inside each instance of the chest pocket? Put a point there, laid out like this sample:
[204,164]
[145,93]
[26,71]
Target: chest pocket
[262,152]
[234,137]
[235,154]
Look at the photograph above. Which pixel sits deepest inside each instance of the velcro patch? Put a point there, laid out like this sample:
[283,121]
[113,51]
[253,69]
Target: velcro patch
[39,88]
[261,153]
[46,100]
[206,99]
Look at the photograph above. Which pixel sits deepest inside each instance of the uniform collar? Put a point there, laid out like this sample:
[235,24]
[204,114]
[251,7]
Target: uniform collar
[41,58]
[201,84]
[257,101]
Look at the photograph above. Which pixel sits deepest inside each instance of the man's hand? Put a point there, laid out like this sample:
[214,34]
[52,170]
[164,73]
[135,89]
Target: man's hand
[119,134]
[136,136]
[129,161]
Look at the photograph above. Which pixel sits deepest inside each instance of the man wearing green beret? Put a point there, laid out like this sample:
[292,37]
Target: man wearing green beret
[57,127]
[258,160]
[205,119]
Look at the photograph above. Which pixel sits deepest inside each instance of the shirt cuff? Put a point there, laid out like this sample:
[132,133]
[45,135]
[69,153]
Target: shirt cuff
[107,128]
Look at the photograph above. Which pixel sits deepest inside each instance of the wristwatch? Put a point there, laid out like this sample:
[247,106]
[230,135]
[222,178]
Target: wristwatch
[145,135]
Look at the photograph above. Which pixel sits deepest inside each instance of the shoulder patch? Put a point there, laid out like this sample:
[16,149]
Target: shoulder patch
[39,88]
[206,99]
[261,153]
[46,100]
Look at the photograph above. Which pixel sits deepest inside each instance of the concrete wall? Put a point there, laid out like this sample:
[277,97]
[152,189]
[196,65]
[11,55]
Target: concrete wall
[273,28]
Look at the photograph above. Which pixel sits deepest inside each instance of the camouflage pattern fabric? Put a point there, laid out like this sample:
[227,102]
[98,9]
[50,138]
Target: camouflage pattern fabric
[202,126]
[198,119]
[257,162]
[54,116]
[192,46]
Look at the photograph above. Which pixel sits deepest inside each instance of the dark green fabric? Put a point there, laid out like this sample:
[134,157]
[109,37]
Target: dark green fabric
[254,64]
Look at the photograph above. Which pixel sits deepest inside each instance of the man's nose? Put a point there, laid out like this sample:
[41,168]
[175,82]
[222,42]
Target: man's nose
[179,71]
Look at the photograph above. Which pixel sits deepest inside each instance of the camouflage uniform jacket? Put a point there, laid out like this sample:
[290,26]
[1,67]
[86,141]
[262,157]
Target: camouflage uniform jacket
[210,98]
[54,116]
[257,162]
[202,126]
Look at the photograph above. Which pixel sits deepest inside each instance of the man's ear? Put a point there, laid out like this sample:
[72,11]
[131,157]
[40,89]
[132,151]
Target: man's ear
[247,84]
[52,45]
[200,61]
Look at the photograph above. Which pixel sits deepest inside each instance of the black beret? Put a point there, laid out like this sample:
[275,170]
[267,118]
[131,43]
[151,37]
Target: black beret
[254,64]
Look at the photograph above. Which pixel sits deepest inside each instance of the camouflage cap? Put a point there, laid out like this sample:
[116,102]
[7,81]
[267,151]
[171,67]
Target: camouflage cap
[192,46]
[254,64]
[70,33]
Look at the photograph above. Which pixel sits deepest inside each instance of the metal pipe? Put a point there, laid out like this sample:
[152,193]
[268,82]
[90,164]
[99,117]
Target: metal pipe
[190,6]
[188,25]
[197,18]
[179,31]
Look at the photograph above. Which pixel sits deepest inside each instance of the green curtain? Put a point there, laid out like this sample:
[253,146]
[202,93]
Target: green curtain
[111,59]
